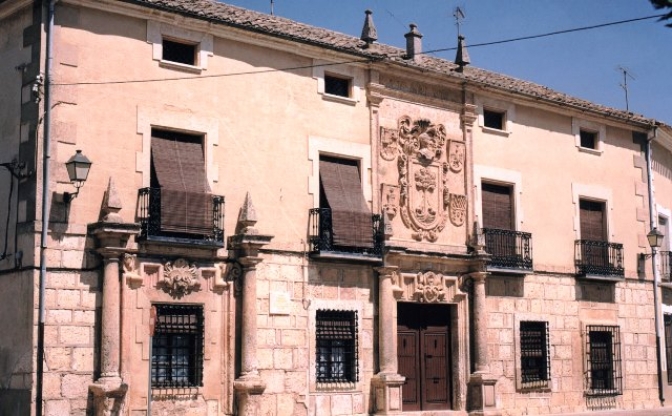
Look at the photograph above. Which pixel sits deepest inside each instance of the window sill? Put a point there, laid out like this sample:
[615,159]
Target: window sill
[339,99]
[590,151]
[497,132]
[180,67]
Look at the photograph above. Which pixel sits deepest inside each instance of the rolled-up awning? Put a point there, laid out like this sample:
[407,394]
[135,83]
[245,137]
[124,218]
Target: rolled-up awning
[352,223]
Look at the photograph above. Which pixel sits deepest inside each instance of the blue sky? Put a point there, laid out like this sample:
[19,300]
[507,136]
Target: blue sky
[583,64]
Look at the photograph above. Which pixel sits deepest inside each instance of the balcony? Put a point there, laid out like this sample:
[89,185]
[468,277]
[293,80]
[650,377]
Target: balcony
[599,260]
[209,231]
[510,251]
[322,245]
[665,271]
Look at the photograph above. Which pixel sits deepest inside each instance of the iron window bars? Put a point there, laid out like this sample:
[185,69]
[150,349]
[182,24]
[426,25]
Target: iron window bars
[535,361]
[509,249]
[667,319]
[598,258]
[177,347]
[603,361]
[336,346]
[149,214]
[321,235]
[666,271]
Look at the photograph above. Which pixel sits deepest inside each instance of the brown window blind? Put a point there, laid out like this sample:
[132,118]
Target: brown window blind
[592,220]
[179,165]
[352,223]
[497,206]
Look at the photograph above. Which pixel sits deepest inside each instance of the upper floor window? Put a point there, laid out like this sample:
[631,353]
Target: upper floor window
[177,346]
[497,206]
[494,119]
[603,360]
[588,139]
[588,136]
[336,346]
[592,220]
[334,85]
[180,52]
[535,363]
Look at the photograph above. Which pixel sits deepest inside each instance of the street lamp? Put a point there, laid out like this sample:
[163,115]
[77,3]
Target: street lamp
[78,170]
[655,238]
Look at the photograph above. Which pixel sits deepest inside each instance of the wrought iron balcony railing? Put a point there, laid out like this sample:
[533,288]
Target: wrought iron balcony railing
[598,258]
[509,249]
[665,270]
[154,228]
[322,236]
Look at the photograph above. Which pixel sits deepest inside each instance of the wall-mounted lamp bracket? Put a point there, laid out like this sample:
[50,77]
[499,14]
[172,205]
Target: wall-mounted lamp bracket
[16,169]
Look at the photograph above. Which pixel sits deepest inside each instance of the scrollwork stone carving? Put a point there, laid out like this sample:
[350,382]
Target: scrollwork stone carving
[180,278]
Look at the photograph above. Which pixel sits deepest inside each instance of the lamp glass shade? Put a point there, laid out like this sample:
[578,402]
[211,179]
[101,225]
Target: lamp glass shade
[78,167]
[655,238]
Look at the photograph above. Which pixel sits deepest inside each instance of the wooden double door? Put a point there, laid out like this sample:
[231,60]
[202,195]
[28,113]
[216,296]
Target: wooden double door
[423,354]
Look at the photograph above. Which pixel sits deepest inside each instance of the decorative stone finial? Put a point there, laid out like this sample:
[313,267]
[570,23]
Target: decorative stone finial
[111,204]
[369,32]
[462,56]
[247,217]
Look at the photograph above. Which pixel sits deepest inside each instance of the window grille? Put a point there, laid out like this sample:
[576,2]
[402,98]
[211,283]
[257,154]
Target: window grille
[177,347]
[668,346]
[337,86]
[336,346]
[603,361]
[535,362]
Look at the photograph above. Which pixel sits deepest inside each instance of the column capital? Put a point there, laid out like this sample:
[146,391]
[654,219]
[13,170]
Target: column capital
[479,276]
[248,262]
[386,271]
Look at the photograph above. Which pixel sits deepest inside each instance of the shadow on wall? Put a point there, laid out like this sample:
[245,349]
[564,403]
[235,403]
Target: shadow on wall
[595,291]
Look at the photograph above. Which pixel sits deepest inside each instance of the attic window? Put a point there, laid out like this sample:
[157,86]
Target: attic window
[336,86]
[493,119]
[588,139]
[183,53]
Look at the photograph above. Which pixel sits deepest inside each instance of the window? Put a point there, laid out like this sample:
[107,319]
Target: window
[497,206]
[667,320]
[178,176]
[494,119]
[183,53]
[336,86]
[588,139]
[535,363]
[177,347]
[592,220]
[342,200]
[336,346]
[603,361]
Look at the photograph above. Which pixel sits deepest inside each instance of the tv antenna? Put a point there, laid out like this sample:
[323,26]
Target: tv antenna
[458,14]
[272,7]
[626,74]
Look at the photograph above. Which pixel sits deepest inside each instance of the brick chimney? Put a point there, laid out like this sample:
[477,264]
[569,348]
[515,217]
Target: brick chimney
[413,42]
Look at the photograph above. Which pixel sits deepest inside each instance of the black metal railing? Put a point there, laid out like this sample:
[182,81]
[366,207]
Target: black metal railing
[508,249]
[665,262]
[599,258]
[604,376]
[149,214]
[322,236]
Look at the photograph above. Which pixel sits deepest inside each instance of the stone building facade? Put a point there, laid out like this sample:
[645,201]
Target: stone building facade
[283,220]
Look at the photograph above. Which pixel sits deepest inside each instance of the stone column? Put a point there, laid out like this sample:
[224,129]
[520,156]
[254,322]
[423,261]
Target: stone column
[246,244]
[111,234]
[387,383]
[482,392]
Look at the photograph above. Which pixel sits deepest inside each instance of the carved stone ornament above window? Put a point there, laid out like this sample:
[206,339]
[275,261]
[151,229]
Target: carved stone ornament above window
[179,278]
[430,288]
[424,166]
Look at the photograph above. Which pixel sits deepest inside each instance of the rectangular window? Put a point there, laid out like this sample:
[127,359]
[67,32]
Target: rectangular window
[183,53]
[497,206]
[663,228]
[177,346]
[342,199]
[603,361]
[592,220]
[588,139]
[493,119]
[336,346]
[668,345]
[535,363]
[336,86]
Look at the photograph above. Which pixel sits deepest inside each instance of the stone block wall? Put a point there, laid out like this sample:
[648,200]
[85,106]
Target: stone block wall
[286,335]
[568,305]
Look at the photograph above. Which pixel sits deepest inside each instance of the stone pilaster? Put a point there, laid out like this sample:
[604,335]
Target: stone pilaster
[387,383]
[246,243]
[482,384]
[111,234]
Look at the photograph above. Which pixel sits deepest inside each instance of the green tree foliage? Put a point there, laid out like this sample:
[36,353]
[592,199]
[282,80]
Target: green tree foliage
[664,4]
